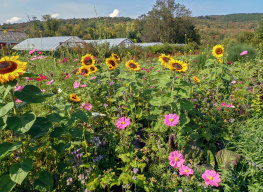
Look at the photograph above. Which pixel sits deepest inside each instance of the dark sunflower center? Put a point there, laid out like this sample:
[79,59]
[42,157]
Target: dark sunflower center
[166,59]
[219,51]
[115,56]
[92,69]
[177,66]
[112,63]
[74,97]
[84,71]
[132,65]
[7,67]
[88,61]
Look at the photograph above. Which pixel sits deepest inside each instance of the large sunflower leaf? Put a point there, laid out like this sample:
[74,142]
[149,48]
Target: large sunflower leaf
[4,110]
[6,147]
[6,184]
[18,172]
[30,94]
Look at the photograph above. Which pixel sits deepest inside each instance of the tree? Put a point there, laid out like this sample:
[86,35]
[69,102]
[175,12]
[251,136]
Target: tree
[259,30]
[51,25]
[169,22]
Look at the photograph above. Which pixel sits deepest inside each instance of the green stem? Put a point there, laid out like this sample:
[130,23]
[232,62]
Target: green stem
[13,99]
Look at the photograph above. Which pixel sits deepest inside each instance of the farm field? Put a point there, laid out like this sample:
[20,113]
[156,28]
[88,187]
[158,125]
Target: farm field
[82,122]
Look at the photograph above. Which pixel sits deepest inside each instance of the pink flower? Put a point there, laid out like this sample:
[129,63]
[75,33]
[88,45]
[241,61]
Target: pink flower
[171,120]
[243,53]
[223,104]
[30,52]
[151,87]
[211,178]
[18,87]
[233,82]
[60,62]
[41,78]
[43,90]
[250,91]
[50,82]
[185,170]
[86,106]
[67,77]
[229,105]
[76,84]
[75,60]
[123,122]
[40,52]
[18,101]
[84,85]
[240,82]
[176,159]
[93,78]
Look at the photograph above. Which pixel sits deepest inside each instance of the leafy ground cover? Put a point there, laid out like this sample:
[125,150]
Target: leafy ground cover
[163,123]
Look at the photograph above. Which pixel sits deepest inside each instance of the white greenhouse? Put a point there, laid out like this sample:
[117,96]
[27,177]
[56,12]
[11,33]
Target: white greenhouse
[112,42]
[49,43]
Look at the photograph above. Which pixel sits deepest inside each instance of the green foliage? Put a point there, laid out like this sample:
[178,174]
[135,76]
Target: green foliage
[233,52]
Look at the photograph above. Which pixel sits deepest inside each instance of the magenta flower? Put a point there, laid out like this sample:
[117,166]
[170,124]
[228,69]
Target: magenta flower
[243,53]
[223,104]
[67,77]
[93,78]
[211,178]
[185,170]
[34,50]
[123,122]
[176,159]
[50,82]
[18,101]
[75,60]
[84,85]
[41,78]
[86,106]
[171,120]
[40,52]
[18,87]
[229,105]
[76,84]
[240,82]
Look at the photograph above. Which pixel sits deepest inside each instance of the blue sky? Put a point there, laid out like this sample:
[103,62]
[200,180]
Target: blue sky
[17,10]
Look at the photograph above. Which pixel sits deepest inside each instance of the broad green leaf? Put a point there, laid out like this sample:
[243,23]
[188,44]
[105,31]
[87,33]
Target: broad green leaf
[6,147]
[93,185]
[124,157]
[210,159]
[2,123]
[44,182]
[4,110]
[30,94]
[18,172]
[6,87]
[21,124]
[6,184]
[54,117]
[57,132]
[226,157]
[60,148]
[40,127]
[186,105]
[82,116]
[30,75]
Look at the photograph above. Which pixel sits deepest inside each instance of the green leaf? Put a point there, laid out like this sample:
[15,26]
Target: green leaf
[4,110]
[57,132]
[21,124]
[82,116]
[18,172]
[91,186]
[226,157]
[54,117]
[40,127]
[30,94]
[210,159]
[6,147]
[2,123]
[140,179]
[6,87]
[44,182]
[60,148]
[30,75]
[124,157]
[6,184]
[186,105]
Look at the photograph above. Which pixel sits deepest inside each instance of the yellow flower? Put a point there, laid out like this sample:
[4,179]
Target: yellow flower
[177,65]
[112,63]
[84,70]
[115,56]
[219,60]
[11,68]
[132,65]
[218,51]
[88,59]
[74,98]
[164,59]
[92,68]
[196,79]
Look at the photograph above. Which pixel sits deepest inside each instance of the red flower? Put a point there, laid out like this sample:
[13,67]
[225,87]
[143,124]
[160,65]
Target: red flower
[41,77]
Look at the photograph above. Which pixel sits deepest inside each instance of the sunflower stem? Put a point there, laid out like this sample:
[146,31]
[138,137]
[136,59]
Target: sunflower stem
[13,99]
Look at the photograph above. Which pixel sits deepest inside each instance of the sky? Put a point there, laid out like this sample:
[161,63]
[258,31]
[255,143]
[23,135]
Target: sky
[18,11]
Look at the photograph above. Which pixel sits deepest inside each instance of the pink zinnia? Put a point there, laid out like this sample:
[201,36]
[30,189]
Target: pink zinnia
[123,122]
[171,120]
[41,77]
[243,53]
[93,78]
[50,82]
[185,170]
[76,84]
[67,77]
[176,159]
[223,104]
[84,85]
[211,178]
[86,106]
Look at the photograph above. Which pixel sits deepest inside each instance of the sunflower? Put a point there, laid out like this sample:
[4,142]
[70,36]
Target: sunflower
[11,68]
[112,62]
[74,98]
[177,65]
[218,51]
[132,65]
[92,68]
[219,60]
[164,59]
[88,59]
[85,70]
[115,56]
[196,79]
[110,67]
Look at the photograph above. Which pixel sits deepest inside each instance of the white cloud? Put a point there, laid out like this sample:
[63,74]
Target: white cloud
[115,13]
[13,20]
[55,15]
